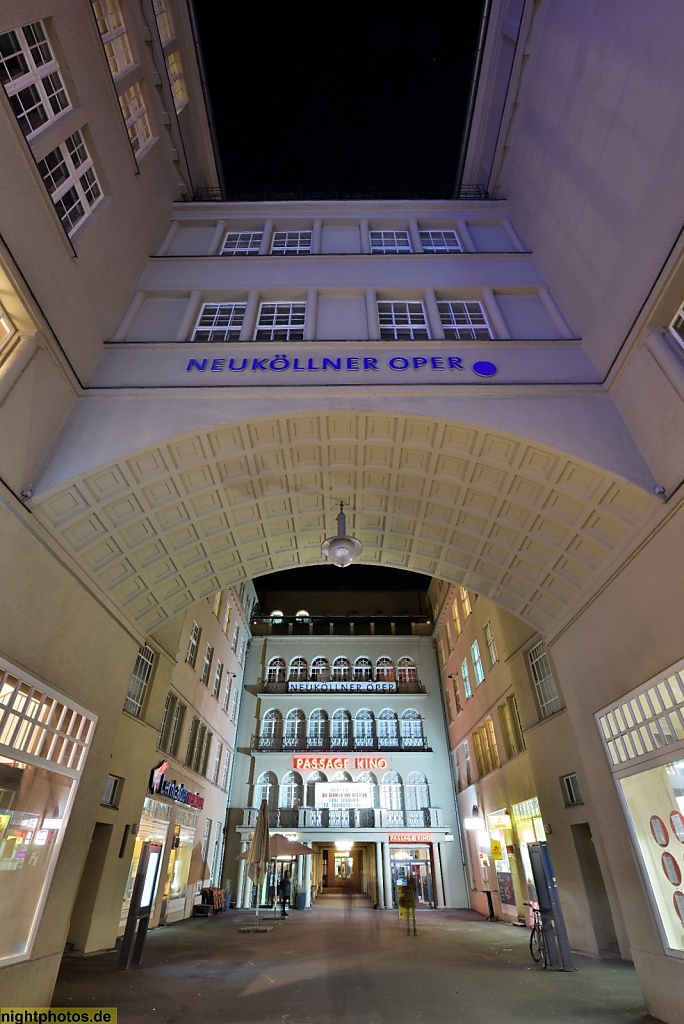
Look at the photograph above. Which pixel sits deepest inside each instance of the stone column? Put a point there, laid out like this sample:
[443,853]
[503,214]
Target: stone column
[465,236]
[433,317]
[217,238]
[316,233]
[310,318]
[189,316]
[493,312]
[372,314]
[163,249]
[265,247]
[307,880]
[251,312]
[414,235]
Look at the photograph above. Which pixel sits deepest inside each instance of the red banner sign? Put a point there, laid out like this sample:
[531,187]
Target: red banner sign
[333,763]
[409,837]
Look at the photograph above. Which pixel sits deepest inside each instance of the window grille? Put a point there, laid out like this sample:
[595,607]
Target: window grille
[70,178]
[291,243]
[465,320]
[544,683]
[242,243]
[281,321]
[31,77]
[390,241]
[137,688]
[112,29]
[402,321]
[440,241]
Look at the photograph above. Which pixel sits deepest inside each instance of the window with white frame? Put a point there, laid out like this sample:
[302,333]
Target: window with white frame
[173,741]
[242,243]
[417,791]
[218,675]
[544,683]
[7,328]
[216,604]
[112,28]
[478,670]
[291,243]
[440,241]
[486,751]
[465,676]
[491,645]
[276,671]
[412,729]
[226,770]
[281,321]
[677,325]
[511,729]
[571,789]
[193,644]
[390,241]
[467,765]
[392,792]
[402,321]
[218,754]
[132,103]
[164,20]
[206,665]
[137,688]
[464,320]
[234,704]
[70,178]
[266,788]
[230,676]
[235,638]
[30,75]
[465,601]
[455,614]
[174,70]
[219,321]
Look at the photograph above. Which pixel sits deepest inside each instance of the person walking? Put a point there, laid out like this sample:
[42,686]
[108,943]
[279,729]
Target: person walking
[284,893]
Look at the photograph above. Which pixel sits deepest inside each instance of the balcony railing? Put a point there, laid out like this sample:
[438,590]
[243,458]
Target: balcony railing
[342,625]
[332,193]
[336,744]
[358,817]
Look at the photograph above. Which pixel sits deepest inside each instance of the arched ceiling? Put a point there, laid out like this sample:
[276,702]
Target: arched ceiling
[526,525]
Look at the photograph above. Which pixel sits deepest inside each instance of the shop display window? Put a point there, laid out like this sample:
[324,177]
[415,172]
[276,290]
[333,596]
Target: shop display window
[34,806]
[655,803]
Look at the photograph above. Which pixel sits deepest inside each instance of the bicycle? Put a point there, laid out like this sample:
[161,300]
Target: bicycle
[538,948]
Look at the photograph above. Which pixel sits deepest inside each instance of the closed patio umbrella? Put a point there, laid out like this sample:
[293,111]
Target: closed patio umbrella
[259,852]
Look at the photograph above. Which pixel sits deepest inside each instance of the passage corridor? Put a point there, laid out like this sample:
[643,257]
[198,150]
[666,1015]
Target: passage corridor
[358,966]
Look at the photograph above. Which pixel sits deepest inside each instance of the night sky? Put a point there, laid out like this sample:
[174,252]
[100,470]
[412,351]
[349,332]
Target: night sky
[353,95]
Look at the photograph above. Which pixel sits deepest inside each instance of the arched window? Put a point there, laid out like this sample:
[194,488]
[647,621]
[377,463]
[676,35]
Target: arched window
[388,729]
[311,787]
[320,670]
[341,670]
[341,777]
[384,670]
[291,791]
[318,727]
[299,670]
[266,788]
[392,792]
[370,779]
[303,615]
[363,729]
[276,671]
[340,730]
[293,738]
[411,729]
[277,616]
[363,670]
[407,672]
[271,727]
[417,792]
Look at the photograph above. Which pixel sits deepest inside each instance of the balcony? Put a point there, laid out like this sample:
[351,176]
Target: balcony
[337,744]
[359,817]
[329,193]
[342,625]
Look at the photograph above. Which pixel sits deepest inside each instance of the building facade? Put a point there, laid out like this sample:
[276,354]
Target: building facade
[342,733]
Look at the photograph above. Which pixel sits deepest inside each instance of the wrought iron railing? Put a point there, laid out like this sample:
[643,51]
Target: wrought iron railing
[356,817]
[326,744]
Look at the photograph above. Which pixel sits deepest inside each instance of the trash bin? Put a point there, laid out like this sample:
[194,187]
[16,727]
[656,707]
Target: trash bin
[300,901]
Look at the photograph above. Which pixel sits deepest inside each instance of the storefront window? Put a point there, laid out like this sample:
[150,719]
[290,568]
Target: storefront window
[529,828]
[154,825]
[500,836]
[655,802]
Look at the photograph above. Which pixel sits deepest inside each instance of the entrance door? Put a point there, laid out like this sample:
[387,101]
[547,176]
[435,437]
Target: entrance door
[412,867]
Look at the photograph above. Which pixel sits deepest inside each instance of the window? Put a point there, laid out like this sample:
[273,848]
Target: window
[390,241]
[511,729]
[218,754]
[407,673]
[112,28]
[137,688]
[291,790]
[226,771]
[7,328]
[363,670]
[417,791]
[457,696]
[677,325]
[294,729]
[242,243]
[174,69]
[226,619]
[571,790]
[467,764]
[402,321]
[440,241]
[266,788]
[299,670]
[281,321]
[291,243]
[412,730]
[164,21]
[199,745]
[206,665]
[544,683]
[138,126]
[341,669]
[216,604]
[30,75]
[491,646]
[477,663]
[384,670]
[193,644]
[465,601]
[217,680]
[234,704]
[464,320]
[486,751]
[230,676]
[388,729]
[465,676]
[219,322]
[241,652]
[320,670]
[275,673]
[392,792]
[112,791]
[235,638]
[363,728]
[70,178]
[455,614]
[171,745]
[318,722]
[272,726]
[339,730]
[450,714]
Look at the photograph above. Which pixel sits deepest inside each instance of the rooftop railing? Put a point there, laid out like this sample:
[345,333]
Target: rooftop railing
[330,193]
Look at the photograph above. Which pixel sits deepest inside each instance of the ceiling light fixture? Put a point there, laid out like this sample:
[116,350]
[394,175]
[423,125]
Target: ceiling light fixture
[341,550]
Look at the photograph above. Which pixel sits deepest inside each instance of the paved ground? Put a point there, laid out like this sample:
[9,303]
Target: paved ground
[329,964]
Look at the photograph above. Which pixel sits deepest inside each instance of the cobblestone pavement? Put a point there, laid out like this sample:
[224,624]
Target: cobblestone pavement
[349,966]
